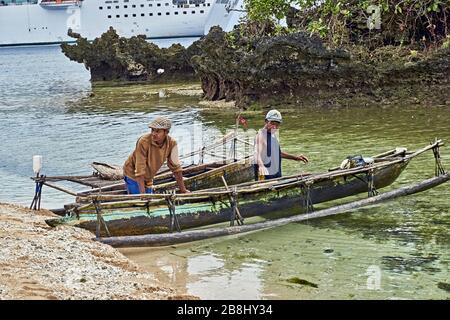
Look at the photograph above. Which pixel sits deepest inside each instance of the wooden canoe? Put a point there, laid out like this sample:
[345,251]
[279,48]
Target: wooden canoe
[146,214]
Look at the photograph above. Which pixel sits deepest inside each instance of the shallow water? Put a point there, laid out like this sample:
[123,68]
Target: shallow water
[397,250]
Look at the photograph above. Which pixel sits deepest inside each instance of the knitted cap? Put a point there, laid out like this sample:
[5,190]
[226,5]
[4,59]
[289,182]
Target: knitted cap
[160,123]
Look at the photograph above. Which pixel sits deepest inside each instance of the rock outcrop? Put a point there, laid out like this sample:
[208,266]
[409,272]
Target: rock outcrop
[292,68]
[299,67]
[114,58]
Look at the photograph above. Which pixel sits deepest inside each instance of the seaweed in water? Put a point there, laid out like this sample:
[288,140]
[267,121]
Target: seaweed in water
[303,282]
[415,263]
[444,286]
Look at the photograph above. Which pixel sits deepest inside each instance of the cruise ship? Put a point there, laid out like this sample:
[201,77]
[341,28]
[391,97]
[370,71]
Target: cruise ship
[38,22]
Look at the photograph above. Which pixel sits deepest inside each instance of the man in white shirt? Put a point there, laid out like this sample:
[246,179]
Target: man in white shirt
[268,153]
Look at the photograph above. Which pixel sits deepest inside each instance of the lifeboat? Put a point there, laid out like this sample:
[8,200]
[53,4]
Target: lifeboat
[60,4]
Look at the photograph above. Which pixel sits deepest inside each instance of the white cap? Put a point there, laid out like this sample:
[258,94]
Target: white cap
[274,115]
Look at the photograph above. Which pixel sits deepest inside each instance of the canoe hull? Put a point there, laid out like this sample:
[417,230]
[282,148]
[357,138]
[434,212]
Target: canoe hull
[285,202]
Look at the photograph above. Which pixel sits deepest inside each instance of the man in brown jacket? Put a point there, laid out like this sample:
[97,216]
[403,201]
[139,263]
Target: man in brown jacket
[152,150]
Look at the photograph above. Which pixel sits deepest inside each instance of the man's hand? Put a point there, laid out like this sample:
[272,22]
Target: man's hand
[302,158]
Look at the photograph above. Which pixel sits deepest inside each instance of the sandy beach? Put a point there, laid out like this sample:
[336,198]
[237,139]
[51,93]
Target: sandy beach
[39,262]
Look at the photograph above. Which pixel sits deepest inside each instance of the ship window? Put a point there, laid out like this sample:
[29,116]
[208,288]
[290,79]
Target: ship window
[158,4]
[134,14]
[101,8]
[184,12]
[126,0]
[108,1]
[134,6]
[142,14]
[176,12]
[209,4]
[150,5]
[142,5]
[159,13]
[125,15]
[167,13]
[125,6]
[118,16]
[151,14]
[193,11]
[117,7]
[197,5]
[116,1]
[201,11]
[108,7]
[109,17]
[167,4]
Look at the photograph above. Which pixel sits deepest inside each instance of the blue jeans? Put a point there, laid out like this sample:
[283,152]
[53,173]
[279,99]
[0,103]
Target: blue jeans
[133,186]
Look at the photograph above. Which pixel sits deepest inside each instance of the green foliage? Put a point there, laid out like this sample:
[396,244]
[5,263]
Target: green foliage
[446,43]
[421,22]
[319,27]
[262,10]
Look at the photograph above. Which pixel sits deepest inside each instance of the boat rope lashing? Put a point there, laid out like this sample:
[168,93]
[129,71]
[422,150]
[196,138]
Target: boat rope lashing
[372,191]
[36,203]
[147,207]
[439,168]
[305,189]
[235,214]
[100,219]
[173,217]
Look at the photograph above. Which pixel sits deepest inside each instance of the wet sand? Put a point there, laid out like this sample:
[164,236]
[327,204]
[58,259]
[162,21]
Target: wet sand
[39,262]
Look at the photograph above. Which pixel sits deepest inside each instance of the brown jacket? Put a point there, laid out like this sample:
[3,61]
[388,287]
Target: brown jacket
[148,158]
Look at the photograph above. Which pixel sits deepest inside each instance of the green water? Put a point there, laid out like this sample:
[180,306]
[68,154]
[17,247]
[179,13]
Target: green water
[397,250]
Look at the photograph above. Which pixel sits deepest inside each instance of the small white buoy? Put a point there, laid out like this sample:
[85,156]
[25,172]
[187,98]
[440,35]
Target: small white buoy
[160,71]
[37,164]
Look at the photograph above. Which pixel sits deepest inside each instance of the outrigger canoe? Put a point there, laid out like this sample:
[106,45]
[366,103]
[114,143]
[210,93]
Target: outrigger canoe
[127,215]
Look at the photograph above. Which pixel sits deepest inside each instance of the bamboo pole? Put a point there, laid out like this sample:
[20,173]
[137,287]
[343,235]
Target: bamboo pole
[73,193]
[188,236]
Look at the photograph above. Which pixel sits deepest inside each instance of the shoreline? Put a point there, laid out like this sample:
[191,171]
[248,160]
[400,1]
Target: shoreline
[64,263]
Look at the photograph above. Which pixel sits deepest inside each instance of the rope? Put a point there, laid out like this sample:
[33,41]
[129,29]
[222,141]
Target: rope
[173,217]
[439,168]
[372,191]
[305,190]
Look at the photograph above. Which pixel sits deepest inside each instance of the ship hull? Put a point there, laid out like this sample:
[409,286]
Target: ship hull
[37,24]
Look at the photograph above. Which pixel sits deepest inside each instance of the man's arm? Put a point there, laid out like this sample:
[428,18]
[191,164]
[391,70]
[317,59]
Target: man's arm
[301,157]
[141,183]
[174,164]
[179,177]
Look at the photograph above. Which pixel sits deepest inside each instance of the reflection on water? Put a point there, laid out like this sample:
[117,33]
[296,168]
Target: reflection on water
[396,250]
